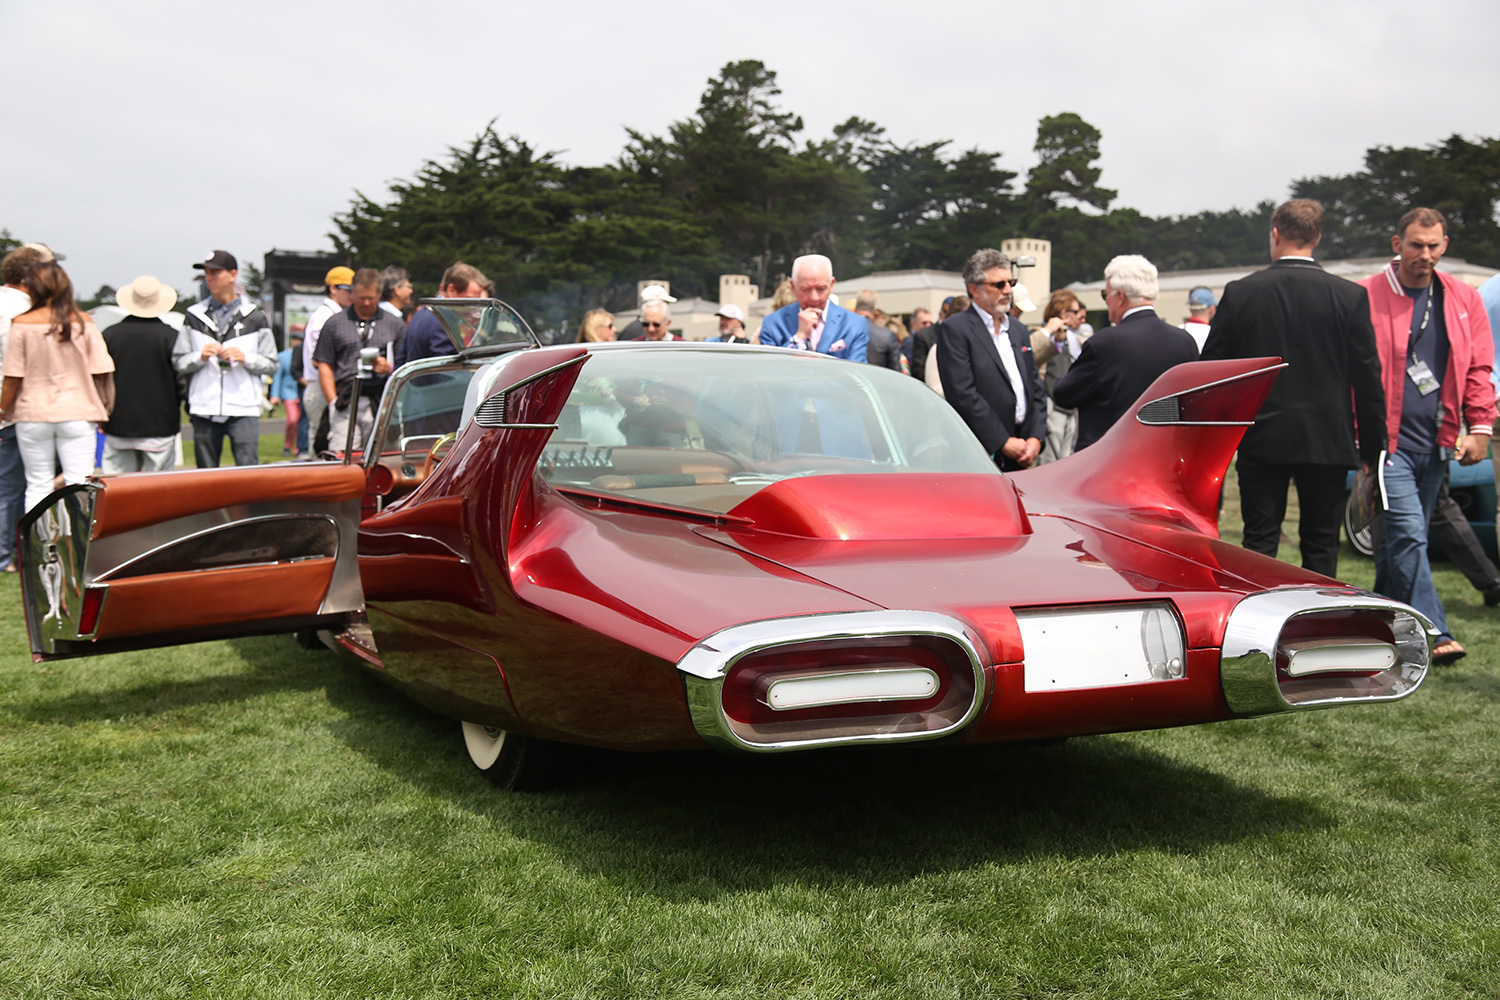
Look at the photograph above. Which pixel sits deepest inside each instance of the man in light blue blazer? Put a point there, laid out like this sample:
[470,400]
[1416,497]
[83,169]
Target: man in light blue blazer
[812,323]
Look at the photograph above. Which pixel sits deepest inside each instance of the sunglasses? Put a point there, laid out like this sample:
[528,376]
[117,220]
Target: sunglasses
[653,326]
[1002,284]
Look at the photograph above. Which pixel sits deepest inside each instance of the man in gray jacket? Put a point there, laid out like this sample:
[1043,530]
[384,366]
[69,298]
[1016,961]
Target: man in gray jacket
[226,349]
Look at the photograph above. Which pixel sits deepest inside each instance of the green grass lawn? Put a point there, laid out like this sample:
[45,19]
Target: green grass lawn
[249,819]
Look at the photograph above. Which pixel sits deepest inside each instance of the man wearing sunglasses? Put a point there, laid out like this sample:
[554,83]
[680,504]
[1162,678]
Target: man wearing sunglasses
[1120,362]
[984,361]
[656,320]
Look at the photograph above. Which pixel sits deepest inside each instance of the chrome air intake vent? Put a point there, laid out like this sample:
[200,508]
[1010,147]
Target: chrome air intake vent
[828,680]
[1301,648]
[1161,411]
[491,412]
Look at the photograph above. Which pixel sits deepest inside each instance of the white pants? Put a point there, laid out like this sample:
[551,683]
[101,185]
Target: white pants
[314,403]
[118,460]
[41,445]
[338,426]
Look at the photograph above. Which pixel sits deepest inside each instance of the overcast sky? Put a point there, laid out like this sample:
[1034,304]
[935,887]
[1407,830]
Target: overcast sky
[140,136]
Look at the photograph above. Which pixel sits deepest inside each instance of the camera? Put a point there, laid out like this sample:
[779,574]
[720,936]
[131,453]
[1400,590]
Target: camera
[367,356]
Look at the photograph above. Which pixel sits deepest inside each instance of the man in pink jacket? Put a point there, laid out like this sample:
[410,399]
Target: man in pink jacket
[1435,355]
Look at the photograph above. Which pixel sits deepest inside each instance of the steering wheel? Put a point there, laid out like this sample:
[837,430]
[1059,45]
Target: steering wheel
[432,459]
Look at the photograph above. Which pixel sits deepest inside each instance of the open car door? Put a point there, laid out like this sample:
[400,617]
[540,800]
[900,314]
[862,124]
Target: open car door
[157,559]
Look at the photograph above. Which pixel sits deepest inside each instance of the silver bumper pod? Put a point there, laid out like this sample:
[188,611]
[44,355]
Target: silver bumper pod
[1304,648]
[854,677]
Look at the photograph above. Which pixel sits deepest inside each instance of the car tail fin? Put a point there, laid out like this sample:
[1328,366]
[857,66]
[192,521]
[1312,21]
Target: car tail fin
[1170,451]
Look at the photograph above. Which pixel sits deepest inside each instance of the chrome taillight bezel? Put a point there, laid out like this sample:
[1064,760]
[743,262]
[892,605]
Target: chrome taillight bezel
[1256,650]
[706,667]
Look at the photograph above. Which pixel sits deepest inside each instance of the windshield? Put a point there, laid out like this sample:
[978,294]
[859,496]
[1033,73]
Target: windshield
[707,428]
[470,323]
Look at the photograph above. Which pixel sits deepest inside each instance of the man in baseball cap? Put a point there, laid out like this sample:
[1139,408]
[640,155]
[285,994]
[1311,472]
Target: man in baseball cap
[339,294]
[731,326]
[651,293]
[1201,308]
[225,348]
[218,260]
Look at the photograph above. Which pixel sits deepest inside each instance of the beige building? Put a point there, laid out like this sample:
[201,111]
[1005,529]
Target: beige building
[1171,303]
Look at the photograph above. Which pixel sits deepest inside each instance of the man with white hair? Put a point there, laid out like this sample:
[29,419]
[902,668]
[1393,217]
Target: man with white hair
[1118,363]
[656,321]
[634,330]
[813,323]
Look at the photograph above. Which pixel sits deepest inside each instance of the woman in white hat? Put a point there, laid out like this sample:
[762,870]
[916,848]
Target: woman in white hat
[58,382]
[141,435]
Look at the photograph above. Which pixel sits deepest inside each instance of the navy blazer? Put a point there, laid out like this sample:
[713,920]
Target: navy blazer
[1319,324]
[1116,365]
[845,334]
[975,382]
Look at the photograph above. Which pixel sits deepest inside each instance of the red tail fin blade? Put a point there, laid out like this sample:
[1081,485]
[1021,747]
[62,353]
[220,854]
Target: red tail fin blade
[1167,456]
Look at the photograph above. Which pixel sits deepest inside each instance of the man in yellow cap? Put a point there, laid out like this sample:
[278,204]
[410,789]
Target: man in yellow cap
[340,281]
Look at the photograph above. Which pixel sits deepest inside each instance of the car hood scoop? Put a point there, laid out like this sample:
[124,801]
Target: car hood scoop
[889,506]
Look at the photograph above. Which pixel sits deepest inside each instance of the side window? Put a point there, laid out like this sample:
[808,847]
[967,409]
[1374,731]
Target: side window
[426,406]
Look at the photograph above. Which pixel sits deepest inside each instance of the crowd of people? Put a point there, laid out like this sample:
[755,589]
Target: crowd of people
[1387,376]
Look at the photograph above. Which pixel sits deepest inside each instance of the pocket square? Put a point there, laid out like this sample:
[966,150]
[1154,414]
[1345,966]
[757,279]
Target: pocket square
[836,347]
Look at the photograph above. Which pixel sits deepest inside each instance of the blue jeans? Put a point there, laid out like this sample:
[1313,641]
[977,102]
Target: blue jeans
[12,493]
[1402,571]
[208,440]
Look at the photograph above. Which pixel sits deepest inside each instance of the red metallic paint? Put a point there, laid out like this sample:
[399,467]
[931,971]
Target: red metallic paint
[586,605]
[882,506]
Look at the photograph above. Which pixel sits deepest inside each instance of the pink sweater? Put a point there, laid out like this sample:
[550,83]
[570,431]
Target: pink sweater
[57,375]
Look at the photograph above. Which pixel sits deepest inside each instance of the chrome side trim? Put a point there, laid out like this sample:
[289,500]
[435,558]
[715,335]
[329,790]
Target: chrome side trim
[707,664]
[1247,659]
[106,556]
[192,535]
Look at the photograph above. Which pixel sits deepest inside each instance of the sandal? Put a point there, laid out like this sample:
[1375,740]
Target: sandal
[1448,652]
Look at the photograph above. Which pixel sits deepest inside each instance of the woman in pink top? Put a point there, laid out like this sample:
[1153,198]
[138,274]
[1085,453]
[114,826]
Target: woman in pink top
[57,382]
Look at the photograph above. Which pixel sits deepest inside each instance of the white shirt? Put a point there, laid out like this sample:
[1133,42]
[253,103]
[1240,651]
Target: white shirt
[1198,330]
[310,333]
[1007,358]
[393,311]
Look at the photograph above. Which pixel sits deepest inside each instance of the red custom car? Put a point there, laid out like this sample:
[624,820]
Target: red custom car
[644,546]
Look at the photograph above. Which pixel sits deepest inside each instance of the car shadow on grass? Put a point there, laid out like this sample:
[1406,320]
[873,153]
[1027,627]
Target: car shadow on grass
[276,663]
[702,823]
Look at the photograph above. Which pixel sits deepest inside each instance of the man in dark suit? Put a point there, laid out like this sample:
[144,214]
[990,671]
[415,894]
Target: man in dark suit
[984,361]
[1305,433]
[1118,363]
[883,349]
[813,323]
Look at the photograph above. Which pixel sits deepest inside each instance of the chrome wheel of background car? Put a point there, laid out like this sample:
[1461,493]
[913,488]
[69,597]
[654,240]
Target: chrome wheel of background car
[510,760]
[1357,529]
